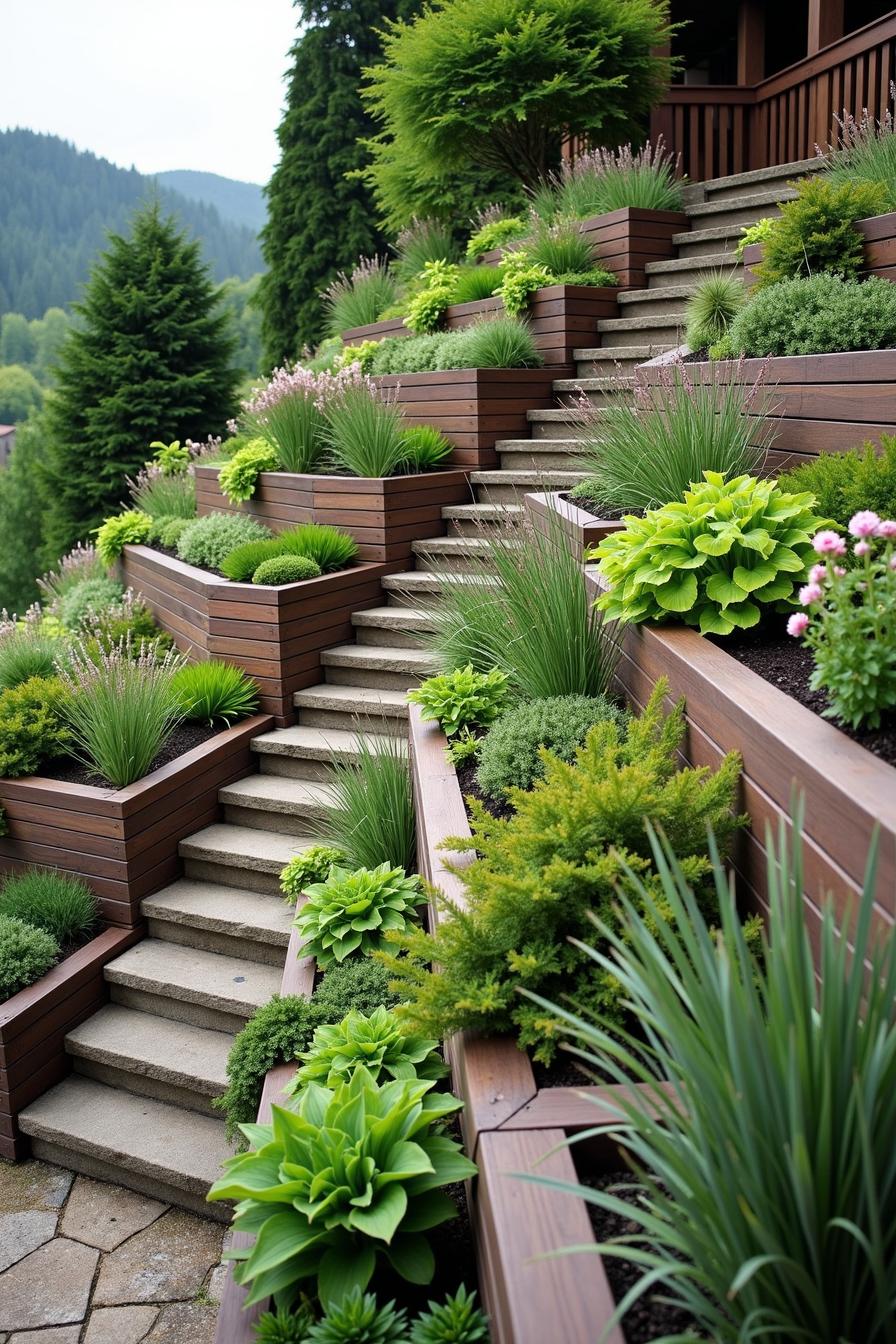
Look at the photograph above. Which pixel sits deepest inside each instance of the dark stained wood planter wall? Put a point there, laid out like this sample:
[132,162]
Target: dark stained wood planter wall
[879,232]
[551,513]
[384,515]
[277,635]
[123,842]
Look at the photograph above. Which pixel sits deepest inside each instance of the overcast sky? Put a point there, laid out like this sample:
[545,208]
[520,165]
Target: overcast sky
[158,84]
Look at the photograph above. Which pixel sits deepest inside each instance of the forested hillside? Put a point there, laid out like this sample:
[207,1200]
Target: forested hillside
[57,205]
[239,202]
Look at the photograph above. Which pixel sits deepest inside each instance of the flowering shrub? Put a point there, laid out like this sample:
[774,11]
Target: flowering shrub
[849,620]
[463,698]
[352,911]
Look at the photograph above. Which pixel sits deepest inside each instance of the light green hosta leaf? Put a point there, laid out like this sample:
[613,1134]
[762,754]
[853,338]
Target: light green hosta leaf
[776,591]
[719,544]
[678,594]
[753,576]
[782,557]
[743,614]
[714,622]
[724,589]
[757,539]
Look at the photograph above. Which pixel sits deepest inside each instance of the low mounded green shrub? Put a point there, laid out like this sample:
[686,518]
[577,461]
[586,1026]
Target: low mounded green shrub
[816,232]
[64,907]
[844,483]
[208,540]
[820,315]
[360,983]
[353,911]
[277,1033]
[26,953]
[124,529]
[312,865]
[498,342]
[169,531]
[87,599]
[214,691]
[286,569]
[510,752]
[32,726]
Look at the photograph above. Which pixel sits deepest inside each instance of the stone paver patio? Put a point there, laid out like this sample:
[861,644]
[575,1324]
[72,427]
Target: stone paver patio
[84,1262]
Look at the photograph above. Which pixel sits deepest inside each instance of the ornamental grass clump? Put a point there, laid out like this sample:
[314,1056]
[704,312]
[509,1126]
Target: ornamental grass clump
[364,432]
[475,283]
[214,692]
[849,620]
[348,1179]
[500,343]
[864,150]
[423,448]
[79,564]
[537,876]
[25,652]
[329,547]
[712,308]
[289,413]
[63,906]
[357,299]
[602,180]
[760,1140]
[385,1046]
[164,494]
[461,699]
[371,814]
[420,242]
[352,911]
[711,560]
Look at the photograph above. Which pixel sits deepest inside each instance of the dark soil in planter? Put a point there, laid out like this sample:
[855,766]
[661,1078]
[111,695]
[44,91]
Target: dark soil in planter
[648,1319]
[452,1246]
[564,1072]
[595,507]
[785,663]
[184,738]
[466,778]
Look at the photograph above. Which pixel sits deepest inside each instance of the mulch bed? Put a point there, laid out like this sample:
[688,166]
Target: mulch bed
[785,663]
[466,778]
[185,737]
[595,507]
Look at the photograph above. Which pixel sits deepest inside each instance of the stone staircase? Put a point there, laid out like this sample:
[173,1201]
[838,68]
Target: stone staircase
[137,1106]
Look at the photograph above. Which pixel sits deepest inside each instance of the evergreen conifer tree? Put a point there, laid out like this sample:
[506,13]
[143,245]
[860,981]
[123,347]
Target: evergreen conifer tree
[21,518]
[149,359]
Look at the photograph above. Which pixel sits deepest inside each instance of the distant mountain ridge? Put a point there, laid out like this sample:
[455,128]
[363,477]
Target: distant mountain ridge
[240,202]
[58,203]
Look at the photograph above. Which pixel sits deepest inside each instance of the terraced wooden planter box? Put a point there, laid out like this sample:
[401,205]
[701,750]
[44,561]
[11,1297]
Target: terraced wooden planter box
[550,511]
[35,1022]
[276,634]
[561,317]
[123,842]
[879,232]
[475,408]
[822,403]
[385,515]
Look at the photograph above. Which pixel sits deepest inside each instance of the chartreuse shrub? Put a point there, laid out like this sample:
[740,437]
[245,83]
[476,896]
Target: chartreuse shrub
[26,953]
[353,911]
[27,652]
[751,234]
[457,1320]
[239,476]
[371,815]
[538,875]
[817,233]
[435,291]
[348,1178]
[461,699]
[87,599]
[819,315]
[761,1141]
[312,865]
[32,725]
[713,559]
[129,528]
[286,569]
[712,308]
[496,233]
[510,754]
[385,1046]
[172,459]
[214,692]
[62,906]
[359,1319]
[522,277]
[845,483]
[208,540]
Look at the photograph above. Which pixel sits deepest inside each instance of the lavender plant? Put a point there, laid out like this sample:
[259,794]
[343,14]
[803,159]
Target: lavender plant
[357,299]
[611,179]
[81,563]
[289,413]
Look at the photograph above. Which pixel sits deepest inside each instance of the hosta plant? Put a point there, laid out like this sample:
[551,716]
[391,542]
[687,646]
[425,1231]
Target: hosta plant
[312,865]
[461,699]
[713,559]
[385,1047]
[352,911]
[347,1179]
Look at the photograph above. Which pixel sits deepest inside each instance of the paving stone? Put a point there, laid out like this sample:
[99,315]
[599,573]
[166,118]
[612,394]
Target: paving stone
[51,1286]
[33,1185]
[217,1281]
[119,1325]
[184,1323]
[105,1215]
[166,1262]
[56,1334]
[22,1233]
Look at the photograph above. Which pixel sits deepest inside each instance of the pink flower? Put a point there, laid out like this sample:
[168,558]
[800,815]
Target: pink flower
[839,571]
[797,624]
[818,573]
[887,528]
[864,523]
[829,543]
[862,548]
[810,592]
[893,561]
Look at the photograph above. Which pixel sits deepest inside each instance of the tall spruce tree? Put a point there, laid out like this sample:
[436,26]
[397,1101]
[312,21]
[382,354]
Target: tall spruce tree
[149,359]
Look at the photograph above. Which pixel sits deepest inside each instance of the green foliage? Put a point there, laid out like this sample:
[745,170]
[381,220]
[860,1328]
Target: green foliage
[358,1165]
[284,1327]
[239,476]
[352,911]
[276,1033]
[357,299]
[170,530]
[371,817]
[164,495]
[241,563]
[538,876]
[712,559]
[647,452]
[364,431]
[128,622]
[463,748]
[560,247]
[457,1320]
[759,1140]
[64,907]
[751,234]
[172,459]
[208,540]
[26,953]
[712,308]
[426,308]
[359,983]
[496,233]
[820,315]
[286,569]
[424,448]
[312,865]
[25,653]
[32,726]
[522,277]
[21,519]
[844,483]
[422,241]
[239,299]
[20,394]
[500,343]
[87,599]
[526,612]
[463,698]
[602,180]
[214,692]
[378,1041]
[864,151]
[130,528]
[816,232]
[350,354]
[150,349]
[329,547]
[510,753]
[357,1319]
[474,283]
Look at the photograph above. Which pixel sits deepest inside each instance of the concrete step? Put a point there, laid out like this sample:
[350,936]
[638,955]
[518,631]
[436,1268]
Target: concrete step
[146,1145]
[462,554]
[240,856]
[391,627]
[413,588]
[597,362]
[233,921]
[273,803]
[387,668]
[563,423]
[152,1056]
[189,985]
[533,455]
[583,392]
[465,519]
[738,185]
[708,241]
[306,752]
[353,708]
[672,274]
[669,302]
[740,210]
[496,487]
[656,332]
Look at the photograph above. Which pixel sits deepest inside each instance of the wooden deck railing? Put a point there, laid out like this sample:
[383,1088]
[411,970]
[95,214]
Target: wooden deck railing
[722,129]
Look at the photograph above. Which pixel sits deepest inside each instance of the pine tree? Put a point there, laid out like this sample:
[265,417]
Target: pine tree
[150,358]
[21,518]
